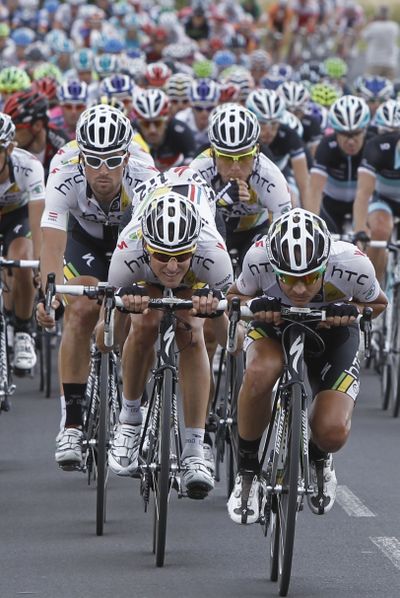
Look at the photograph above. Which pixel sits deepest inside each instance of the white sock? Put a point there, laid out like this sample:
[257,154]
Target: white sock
[194,438]
[130,411]
[63,412]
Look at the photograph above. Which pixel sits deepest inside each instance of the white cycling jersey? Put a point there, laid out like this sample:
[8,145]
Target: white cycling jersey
[184,180]
[68,192]
[25,182]
[269,192]
[349,275]
[210,265]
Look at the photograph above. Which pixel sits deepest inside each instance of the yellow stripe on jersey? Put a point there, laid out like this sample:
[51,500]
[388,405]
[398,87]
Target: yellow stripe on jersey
[137,138]
[346,383]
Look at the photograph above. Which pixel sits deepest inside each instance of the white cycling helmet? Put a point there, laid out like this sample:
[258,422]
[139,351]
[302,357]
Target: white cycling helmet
[388,115]
[171,223]
[349,113]
[233,128]
[151,103]
[298,243]
[291,120]
[103,129]
[7,129]
[266,104]
[178,86]
[296,95]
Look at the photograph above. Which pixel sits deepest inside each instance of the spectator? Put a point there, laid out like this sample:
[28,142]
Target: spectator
[382,49]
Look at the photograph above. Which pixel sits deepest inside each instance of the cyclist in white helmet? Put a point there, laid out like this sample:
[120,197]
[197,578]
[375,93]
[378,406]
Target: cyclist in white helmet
[334,173]
[279,142]
[204,95]
[379,178]
[170,242]
[297,264]
[21,207]
[87,193]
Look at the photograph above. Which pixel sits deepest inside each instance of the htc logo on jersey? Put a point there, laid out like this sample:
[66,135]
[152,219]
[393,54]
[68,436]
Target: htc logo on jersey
[348,275]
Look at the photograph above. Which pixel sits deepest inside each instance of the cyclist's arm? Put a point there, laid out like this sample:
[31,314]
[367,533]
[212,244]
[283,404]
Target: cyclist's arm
[316,188]
[365,189]
[234,292]
[35,209]
[300,172]
[378,305]
[54,242]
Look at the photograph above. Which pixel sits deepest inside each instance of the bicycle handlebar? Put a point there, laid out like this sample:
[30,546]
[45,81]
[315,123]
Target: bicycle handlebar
[6,263]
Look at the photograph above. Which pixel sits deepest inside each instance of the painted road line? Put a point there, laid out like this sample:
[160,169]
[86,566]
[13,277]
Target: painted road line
[390,548]
[350,503]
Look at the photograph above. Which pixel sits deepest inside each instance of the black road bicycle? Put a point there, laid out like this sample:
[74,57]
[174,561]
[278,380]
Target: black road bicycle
[103,399]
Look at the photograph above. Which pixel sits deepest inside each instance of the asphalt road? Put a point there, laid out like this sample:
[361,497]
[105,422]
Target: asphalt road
[48,546]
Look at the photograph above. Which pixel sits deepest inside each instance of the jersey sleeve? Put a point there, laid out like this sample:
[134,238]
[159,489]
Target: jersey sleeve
[128,264]
[249,281]
[320,164]
[271,187]
[366,286]
[60,198]
[370,159]
[212,264]
[35,183]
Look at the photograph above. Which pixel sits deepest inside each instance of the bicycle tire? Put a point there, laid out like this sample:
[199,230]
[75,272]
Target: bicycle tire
[287,501]
[274,547]
[48,358]
[102,444]
[235,381]
[162,485]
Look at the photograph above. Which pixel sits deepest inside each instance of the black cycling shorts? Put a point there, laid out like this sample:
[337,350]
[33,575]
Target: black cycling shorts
[15,225]
[84,256]
[337,368]
[334,213]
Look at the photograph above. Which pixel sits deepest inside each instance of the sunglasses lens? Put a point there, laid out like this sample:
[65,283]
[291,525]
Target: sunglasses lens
[308,279]
[114,162]
[93,161]
[165,257]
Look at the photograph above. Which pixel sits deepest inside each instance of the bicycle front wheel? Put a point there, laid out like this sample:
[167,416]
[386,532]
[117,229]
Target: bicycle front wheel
[162,481]
[286,511]
[102,444]
[235,368]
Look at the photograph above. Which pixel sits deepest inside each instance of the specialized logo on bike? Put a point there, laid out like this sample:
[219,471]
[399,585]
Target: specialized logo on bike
[296,349]
[168,338]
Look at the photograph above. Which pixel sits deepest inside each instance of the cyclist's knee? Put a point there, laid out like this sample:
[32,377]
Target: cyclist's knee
[81,315]
[381,226]
[330,436]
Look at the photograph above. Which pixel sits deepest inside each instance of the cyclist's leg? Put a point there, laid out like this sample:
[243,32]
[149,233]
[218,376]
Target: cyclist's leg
[84,264]
[264,362]
[332,409]
[18,246]
[380,221]
[137,359]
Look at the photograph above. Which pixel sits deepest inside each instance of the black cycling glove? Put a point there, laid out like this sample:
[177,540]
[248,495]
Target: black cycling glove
[58,311]
[265,303]
[361,237]
[341,310]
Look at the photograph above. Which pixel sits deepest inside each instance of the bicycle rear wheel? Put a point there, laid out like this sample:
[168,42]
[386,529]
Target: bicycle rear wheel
[286,511]
[102,444]
[162,478]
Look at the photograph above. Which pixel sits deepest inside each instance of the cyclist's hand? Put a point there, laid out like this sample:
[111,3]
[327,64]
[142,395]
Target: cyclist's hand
[360,239]
[267,309]
[46,320]
[341,314]
[243,190]
[205,302]
[37,281]
[134,298]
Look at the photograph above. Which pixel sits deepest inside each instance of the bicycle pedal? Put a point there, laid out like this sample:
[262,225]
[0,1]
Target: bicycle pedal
[5,405]
[71,466]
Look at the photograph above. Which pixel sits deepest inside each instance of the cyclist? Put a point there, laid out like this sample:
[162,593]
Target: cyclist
[171,141]
[338,156]
[251,188]
[13,79]
[204,95]
[378,178]
[28,111]
[21,207]
[178,90]
[170,242]
[297,264]
[72,96]
[374,90]
[297,97]
[278,141]
[92,186]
